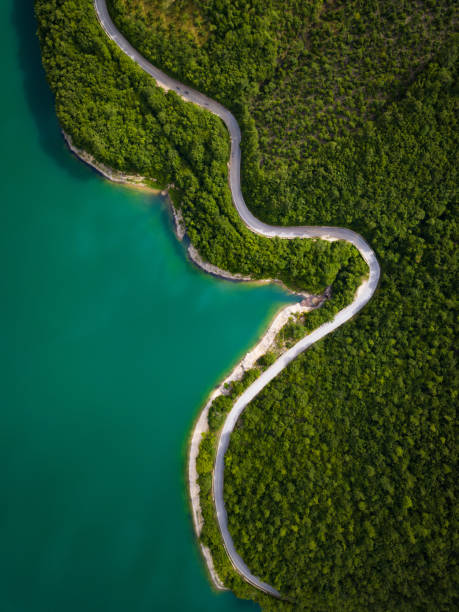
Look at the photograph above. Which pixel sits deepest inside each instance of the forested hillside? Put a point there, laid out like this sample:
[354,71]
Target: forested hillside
[340,482]
[341,476]
[300,76]
[113,110]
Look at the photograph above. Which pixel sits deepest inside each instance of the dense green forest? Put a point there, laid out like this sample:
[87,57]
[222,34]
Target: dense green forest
[340,481]
[342,470]
[300,76]
[113,110]
[341,475]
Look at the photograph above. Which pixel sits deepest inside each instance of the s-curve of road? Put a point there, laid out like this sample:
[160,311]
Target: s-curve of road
[363,295]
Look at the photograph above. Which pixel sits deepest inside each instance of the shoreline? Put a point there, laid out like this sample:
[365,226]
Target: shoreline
[279,319]
[201,426]
[362,296]
[137,181]
[132,180]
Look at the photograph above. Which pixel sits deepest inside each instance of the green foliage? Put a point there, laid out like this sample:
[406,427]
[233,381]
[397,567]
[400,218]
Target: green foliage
[309,73]
[267,359]
[217,411]
[223,46]
[210,535]
[340,485]
[222,404]
[113,110]
[339,482]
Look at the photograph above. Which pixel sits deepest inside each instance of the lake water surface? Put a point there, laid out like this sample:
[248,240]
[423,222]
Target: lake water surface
[110,342]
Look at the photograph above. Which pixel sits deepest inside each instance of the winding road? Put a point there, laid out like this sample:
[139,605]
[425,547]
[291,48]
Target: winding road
[363,295]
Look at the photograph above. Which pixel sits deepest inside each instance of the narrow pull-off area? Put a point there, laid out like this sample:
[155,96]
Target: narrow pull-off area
[363,295]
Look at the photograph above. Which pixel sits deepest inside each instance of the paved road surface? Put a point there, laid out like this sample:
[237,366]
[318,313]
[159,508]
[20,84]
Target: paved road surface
[363,295]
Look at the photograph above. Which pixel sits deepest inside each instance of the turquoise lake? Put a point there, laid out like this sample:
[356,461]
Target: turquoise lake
[110,342]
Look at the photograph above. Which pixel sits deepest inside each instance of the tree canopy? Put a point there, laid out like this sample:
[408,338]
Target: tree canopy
[339,482]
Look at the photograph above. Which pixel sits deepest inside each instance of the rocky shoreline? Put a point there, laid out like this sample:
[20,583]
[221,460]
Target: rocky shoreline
[308,303]
[133,180]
